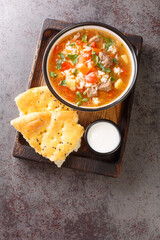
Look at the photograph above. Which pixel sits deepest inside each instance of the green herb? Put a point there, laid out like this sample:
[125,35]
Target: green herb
[84,38]
[108,41]
[59,63]
[53,74]
[107,45]
[113,79]
[84,99]
[79,95]
[100,65]
[75,72]
[63,83]
[85,92]
[115,60]
[73,57]
[122,45]
[99,36]
[72,44]
[78,103]
[62,56]
[88,44]
[95,58]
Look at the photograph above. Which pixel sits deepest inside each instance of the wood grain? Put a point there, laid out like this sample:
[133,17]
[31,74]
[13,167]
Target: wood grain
[83,160]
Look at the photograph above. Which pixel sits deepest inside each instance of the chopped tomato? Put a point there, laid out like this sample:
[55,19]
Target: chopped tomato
[66,66]
[59,48]
[93,44]
[84,69]
[56,49]
[91,77]
[87,55]
[79,42]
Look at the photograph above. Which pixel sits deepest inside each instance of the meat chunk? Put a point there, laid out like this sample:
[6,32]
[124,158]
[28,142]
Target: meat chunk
[92,92]
[94,39]
[106,60]
[106,87]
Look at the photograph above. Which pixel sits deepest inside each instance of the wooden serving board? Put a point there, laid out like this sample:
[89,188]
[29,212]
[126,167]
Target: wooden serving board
[83,160]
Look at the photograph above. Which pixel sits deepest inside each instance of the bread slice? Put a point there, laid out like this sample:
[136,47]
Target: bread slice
[54,135]
[38,99]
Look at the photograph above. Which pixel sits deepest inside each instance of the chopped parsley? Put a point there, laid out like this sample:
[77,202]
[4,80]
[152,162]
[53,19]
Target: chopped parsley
[80,98]
[113,79]
[84,38]
[79,95]
[72,44]
[73,57]
[53,74]
[107,45]
[100,65]
[63,83]
[95,58]
[62,56]
[75,72]
[108,41]
[84,99]
[78,103]
[59,63]
[115,60]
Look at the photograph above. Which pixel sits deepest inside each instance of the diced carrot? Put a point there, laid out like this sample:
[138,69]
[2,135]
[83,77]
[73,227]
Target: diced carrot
[84,69]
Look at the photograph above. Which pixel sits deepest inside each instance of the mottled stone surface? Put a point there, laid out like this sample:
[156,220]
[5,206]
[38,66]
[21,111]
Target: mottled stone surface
[39,201]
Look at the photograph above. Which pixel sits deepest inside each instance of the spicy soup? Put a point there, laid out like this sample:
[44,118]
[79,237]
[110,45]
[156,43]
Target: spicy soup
[89,68]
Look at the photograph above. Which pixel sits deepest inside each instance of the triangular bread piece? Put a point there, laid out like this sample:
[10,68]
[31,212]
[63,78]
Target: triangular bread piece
[52,134]
[38,99]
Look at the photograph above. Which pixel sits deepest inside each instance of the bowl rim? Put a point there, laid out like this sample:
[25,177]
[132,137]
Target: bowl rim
[95,122]
[61,99]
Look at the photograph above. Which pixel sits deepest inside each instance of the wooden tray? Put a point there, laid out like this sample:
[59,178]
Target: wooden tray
[83,160]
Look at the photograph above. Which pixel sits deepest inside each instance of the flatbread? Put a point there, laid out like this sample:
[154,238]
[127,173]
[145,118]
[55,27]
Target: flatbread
[38,99]
[52,134]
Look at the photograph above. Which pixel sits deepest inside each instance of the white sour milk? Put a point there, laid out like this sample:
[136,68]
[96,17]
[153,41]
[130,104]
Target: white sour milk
[103,137]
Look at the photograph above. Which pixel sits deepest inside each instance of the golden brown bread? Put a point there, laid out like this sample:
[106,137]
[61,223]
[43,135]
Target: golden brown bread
[38,99]
[52,134]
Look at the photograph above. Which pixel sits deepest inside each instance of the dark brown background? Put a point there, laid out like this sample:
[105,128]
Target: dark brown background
[39,201]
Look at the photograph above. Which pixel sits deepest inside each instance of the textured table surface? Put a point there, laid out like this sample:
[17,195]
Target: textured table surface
[39,201]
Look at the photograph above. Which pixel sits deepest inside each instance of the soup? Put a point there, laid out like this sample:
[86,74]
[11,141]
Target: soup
[89,68]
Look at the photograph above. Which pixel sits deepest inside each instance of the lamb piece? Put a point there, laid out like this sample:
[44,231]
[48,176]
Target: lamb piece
[94,39]
[106,87]
[92,92]
[106,60]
